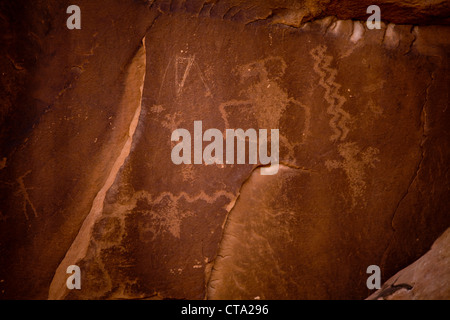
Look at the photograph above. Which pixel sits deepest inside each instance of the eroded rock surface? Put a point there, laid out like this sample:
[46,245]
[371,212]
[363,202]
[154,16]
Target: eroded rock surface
[426,279]
[364,148]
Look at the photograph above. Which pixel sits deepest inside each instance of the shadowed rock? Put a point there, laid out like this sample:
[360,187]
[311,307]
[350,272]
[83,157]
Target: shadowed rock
[426,279]
[364,147]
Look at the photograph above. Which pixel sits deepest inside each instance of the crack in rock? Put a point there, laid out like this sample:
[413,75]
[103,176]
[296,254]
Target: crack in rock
[230,209]
[418,168]
[80,245]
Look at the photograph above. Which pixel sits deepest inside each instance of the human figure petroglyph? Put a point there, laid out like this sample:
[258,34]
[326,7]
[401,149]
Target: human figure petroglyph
[265,99]
[354,163]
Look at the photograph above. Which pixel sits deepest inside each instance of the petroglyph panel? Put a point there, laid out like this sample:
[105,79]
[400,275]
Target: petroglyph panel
[87,179]
[196,230]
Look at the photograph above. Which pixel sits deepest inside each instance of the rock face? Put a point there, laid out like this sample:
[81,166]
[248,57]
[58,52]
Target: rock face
[426,279]
[86,172]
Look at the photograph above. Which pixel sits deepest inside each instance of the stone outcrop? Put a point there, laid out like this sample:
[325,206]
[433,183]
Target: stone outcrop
[426,279]
[86,175]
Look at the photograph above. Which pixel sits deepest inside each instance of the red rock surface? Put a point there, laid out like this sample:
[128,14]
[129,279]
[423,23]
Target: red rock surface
[426,279]
[86,119]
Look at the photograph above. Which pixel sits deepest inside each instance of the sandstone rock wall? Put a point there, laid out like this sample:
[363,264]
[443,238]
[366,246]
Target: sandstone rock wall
[426,279]
[86,175]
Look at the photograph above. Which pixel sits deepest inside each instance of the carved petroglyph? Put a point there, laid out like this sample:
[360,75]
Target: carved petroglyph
[374,86]
[265,99]
[163,80]
[23,191]
[155,216]
[375,109]
[354,165]
[188,174]
[180,64]
[183,67]
[327,80]
[355,161]
[157,109]
[170,216]
[232,103]
[164,216]
[172,121]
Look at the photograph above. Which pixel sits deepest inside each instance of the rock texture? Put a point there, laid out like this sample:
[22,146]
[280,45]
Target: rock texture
[86,119]
[426,279]
[64,122]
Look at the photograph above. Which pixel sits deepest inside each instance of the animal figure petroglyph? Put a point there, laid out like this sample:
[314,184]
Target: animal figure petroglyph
[183,67]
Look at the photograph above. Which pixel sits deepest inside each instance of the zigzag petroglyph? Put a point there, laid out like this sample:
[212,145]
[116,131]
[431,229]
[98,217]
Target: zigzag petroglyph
[322,66]
[355,160]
